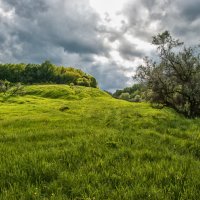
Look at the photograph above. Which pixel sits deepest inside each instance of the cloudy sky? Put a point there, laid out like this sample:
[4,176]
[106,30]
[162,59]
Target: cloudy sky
[105,38]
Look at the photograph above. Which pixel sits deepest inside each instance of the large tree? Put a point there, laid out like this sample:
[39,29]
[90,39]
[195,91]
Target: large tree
[174,80]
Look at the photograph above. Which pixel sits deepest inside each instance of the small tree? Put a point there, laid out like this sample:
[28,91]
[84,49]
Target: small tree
[4,86]
[175,80]
[8,89]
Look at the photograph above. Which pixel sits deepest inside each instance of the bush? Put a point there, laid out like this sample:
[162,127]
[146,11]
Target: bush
[9,89]
[137,98]
[125,96]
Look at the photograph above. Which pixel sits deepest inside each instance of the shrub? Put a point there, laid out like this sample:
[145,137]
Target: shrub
[10,89]
[125,96]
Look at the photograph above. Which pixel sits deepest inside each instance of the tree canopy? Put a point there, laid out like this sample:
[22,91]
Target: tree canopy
[45,73]
[174,80]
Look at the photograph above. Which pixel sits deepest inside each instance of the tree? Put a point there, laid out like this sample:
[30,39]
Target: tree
[46,70]
[9,89]
[175,80]
[125,96]
[4,86]
[45,73]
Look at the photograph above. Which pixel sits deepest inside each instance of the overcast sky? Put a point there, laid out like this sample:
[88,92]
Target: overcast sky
[106,38]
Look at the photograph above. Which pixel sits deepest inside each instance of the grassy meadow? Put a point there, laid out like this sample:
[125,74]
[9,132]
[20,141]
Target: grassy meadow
[59,142]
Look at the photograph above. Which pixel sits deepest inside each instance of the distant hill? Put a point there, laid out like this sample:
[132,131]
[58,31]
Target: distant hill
[45,73]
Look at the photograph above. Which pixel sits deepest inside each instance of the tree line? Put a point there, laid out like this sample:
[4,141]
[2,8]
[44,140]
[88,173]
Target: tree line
[45,73]
[135,93]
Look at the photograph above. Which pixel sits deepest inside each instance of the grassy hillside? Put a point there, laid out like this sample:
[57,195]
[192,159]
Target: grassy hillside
[61,142]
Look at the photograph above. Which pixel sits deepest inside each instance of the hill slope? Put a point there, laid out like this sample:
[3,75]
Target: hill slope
[61,142]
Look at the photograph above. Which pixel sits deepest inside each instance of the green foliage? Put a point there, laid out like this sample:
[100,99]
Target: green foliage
[99,148]
[174,81]
[45,73]
[12,72]
[4,86]
[136,93]
[124,96]
[83,81]
[9,89]
[137,98]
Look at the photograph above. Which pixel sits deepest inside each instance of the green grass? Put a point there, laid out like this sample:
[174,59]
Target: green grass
[61,142]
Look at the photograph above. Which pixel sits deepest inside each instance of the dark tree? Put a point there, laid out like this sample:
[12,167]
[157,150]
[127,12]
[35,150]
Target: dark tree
[175,80]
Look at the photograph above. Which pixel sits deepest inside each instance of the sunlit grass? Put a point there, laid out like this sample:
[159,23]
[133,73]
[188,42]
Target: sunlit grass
[96,148]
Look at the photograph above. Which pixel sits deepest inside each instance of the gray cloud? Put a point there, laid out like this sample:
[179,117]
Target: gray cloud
[141,15]
[129,51]
[28,8]
[72,33]
[75,32]
[110,75]
[189,10]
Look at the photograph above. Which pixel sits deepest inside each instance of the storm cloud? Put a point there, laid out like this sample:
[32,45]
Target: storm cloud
[73,33]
